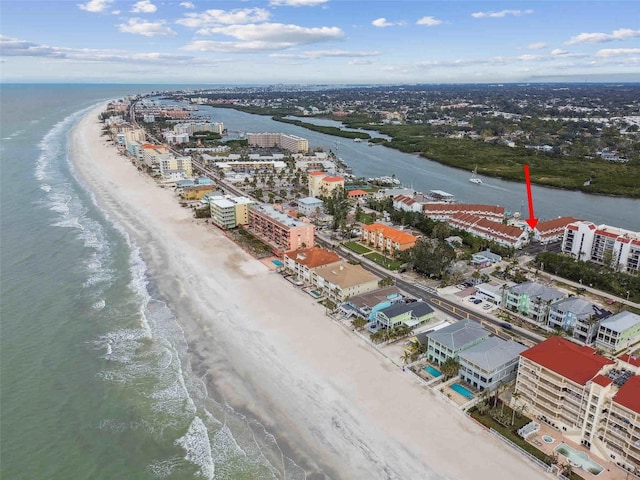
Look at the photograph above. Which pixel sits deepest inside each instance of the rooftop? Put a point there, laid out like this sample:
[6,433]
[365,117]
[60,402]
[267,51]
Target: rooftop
[309,201]
[371,299]
[493,353]
[629,394]
[418,309]
[313,257]
[345,275]
[389,232]
[278,216]
[580,308]
[459,334]
[621,321]
[577,363]
[533,289]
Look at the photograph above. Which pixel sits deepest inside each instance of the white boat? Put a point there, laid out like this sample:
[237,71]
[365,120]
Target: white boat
[357,140]
[474,177]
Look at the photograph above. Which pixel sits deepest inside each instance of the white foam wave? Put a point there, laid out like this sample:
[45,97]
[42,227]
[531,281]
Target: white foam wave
[164,468]
[45,187]
[197,448]
[99,305]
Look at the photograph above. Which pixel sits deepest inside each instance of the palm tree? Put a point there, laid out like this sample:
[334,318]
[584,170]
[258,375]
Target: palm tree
[566,470]
[450,368]
[515,396]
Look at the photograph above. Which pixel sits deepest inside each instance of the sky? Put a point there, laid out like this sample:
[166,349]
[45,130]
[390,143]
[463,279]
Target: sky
[318,41]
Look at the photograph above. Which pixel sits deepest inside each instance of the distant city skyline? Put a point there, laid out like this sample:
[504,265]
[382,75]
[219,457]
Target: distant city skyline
[318,41]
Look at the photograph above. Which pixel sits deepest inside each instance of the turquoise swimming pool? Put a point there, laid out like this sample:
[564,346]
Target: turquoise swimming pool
[277,263]
[579,459]
[435,373]
[456,387]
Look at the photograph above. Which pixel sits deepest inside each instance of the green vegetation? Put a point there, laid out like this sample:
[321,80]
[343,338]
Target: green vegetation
[510,432]
[356,247]
[590,274]
[450,368]
[204,212]
[429,257]
[383,261]
[335,131]
[258,110]
[394,333]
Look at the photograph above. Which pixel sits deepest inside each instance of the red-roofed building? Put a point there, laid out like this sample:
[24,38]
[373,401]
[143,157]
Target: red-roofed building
[303,262]
[357,194]
[549,231]
[506,235]
[386,238]
[592,399]
[321,184]
[444,211]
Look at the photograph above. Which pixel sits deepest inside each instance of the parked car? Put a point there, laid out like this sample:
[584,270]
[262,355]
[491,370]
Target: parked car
[477,301]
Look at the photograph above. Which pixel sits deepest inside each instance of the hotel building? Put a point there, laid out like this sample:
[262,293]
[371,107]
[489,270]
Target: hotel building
[586,241]
[291,143]
[228,212]
[592,399]
[281,231]
[386,238]
[168,163]
[303,262]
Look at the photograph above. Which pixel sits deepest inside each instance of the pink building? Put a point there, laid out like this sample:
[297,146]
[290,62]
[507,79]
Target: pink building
[281,231]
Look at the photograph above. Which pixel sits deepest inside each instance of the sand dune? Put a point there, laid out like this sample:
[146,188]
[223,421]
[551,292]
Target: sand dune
[340,409]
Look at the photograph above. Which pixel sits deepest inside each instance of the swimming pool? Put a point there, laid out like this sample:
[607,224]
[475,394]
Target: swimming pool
[277,263]
[432,371]
[461,390]
[579,459]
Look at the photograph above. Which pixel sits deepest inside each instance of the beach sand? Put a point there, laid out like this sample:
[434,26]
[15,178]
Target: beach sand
[336,406]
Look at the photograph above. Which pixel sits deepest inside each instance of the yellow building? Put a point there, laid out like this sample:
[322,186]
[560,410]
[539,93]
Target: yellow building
[321,184]
[196,192]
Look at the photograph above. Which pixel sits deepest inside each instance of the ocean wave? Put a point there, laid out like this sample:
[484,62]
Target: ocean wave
[99,305]
[195,443]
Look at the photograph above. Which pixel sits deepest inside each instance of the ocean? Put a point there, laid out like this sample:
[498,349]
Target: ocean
[96,374]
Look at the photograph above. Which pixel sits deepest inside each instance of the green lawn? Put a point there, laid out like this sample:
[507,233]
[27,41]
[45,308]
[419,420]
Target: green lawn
[366,218]
[356,247]
[386,262]
[511,434]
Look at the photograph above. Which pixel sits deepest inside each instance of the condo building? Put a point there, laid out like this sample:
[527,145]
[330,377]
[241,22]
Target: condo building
[617,247]
[386,238]
[228,212]
[303,262]
[592,399]
[321,184]
[281,231]
[343,280]
[292,143]
[618,332]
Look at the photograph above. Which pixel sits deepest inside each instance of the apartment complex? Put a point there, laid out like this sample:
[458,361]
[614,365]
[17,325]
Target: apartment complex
[310,205]
[593,400]
[343,280]
[506,235]
[387,239]
[281,231]
[549,231]
[228,212]
[192,127]
[602,244]
[490,363]
[170,164]
[303,262]
[321,184]
[444,211]
[292,143]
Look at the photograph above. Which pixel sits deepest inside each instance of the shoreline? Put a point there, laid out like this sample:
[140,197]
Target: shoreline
[326,396]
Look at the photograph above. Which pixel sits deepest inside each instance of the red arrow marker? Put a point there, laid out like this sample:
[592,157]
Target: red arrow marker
[532,220]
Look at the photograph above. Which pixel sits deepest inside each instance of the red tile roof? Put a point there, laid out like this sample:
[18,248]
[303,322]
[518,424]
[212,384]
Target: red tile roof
[354,193]
[602,380]
[333,179]
[577,363]
[554,224]
[387,232]
[629,394]
[317,173]
[635,361]
[313,257]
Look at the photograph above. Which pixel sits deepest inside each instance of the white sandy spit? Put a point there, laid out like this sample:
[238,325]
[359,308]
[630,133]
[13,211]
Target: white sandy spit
[341,409]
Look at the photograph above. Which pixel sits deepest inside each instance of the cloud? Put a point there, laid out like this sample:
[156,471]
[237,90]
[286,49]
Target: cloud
[138,26]
[536,46]
[296,3]
[360,61]
[265,37]
[313,54]
[144,6]
[187,5]
[616,52]
[382,23]
[115,12]
[95,6]
[213,18]
[620,34]
[429,21]
[501,13]
[13,47]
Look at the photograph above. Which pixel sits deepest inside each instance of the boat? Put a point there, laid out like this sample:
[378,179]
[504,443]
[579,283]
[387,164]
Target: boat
[357,140]
[474,176]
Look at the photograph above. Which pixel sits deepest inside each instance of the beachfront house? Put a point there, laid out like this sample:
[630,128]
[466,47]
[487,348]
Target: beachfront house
[343,280]
[490,363]
[303,262]
[578,317]
[409,314]
[449,341]
[533,300]
[368,304]
[618,332]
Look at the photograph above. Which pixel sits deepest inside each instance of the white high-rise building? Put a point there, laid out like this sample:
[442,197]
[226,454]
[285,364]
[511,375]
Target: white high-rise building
[292,143]
[603,243]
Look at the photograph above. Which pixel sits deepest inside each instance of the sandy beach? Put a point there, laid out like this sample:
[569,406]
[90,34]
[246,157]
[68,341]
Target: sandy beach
[339,408]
